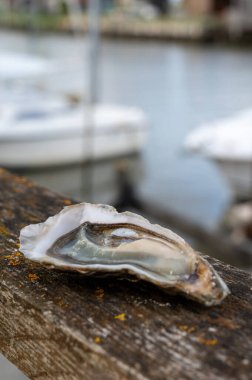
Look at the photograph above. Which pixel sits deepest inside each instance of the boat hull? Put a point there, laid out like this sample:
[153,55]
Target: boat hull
[69,150]
[227,142]
[238,174]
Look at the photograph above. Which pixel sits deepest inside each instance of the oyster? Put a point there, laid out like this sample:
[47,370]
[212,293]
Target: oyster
[96,238]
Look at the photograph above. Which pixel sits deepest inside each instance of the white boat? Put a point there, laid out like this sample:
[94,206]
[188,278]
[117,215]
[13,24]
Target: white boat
[56,132]
[38,128]
[228,143]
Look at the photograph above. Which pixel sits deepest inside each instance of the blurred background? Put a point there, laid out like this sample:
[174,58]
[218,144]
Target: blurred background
[142,104]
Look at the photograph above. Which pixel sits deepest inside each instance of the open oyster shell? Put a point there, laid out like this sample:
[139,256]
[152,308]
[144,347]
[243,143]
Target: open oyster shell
[96,238]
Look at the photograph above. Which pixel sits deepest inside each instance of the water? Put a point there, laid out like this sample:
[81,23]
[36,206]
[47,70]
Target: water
[9,372]
[179,87]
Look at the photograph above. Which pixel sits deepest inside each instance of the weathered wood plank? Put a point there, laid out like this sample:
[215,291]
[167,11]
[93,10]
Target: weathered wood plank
[58,325]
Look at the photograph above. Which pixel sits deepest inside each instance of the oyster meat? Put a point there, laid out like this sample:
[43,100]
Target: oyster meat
[96,238]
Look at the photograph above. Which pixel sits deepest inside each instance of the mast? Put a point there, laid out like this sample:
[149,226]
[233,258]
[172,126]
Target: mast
[94,8]
[94,47]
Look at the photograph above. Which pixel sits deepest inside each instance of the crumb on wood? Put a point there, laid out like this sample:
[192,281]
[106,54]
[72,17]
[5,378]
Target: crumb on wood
[4,230]
[33,277]
[14,258]
[60,302]
[98,340]
[188,329]
[99,293]
[121,317]
[207,342]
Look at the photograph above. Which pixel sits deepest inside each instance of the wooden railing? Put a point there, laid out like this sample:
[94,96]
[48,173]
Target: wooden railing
[59,325]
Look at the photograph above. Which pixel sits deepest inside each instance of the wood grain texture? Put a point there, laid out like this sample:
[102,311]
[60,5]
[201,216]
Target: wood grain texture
[59,325]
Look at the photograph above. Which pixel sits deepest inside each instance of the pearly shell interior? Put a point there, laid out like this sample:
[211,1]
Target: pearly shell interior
[117,245]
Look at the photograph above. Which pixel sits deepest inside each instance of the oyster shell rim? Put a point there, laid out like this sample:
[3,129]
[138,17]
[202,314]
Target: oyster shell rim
[176,286]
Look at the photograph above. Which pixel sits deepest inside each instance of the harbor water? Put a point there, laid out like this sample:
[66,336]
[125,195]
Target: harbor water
[178,87]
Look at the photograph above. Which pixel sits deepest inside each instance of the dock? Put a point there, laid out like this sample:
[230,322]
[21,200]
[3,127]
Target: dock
[116,26]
